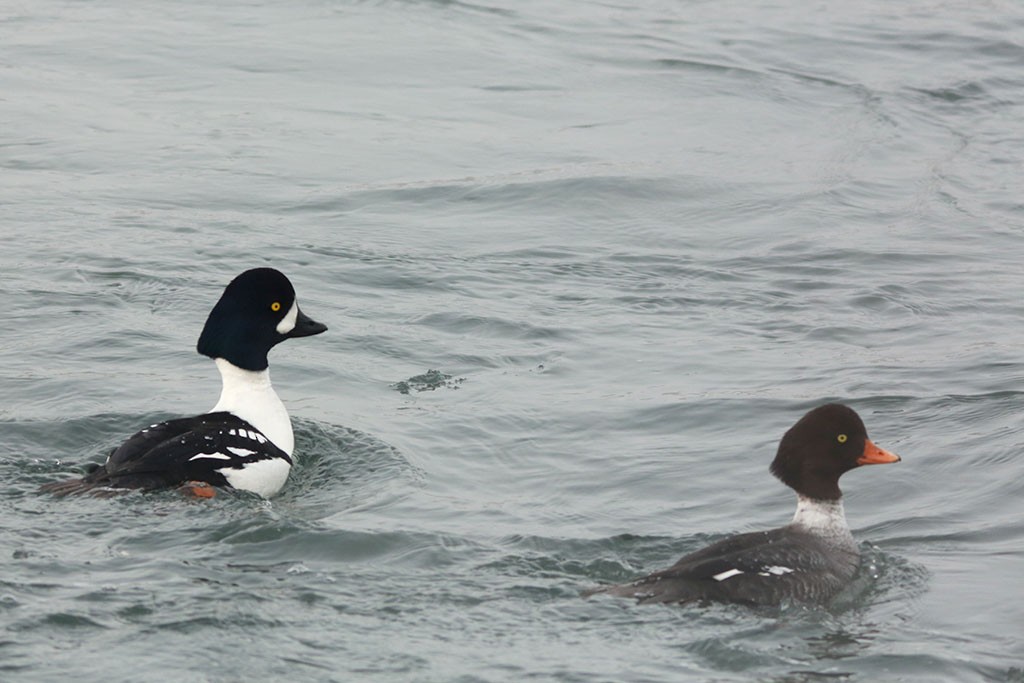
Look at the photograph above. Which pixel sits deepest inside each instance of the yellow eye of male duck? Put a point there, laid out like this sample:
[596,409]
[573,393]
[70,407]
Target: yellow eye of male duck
[276,306]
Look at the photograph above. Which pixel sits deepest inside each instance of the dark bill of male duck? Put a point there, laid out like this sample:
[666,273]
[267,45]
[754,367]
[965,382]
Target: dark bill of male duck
[246,440]
[808,561]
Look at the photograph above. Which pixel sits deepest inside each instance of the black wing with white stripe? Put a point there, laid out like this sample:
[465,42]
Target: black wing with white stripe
[176,451]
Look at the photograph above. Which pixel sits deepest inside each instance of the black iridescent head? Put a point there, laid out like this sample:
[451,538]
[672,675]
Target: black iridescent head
[827,442]
[256,312]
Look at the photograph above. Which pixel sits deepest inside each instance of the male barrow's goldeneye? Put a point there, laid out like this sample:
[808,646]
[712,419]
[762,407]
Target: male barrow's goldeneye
[245,441]
[808,561]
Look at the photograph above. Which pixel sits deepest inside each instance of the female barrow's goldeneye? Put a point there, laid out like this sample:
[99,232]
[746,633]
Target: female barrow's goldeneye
[245,441]
[808,561]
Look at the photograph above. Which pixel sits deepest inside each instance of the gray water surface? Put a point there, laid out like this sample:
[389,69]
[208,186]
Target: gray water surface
[582,263]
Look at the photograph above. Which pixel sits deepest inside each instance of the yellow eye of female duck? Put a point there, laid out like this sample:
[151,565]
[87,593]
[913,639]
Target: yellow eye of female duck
[841,438]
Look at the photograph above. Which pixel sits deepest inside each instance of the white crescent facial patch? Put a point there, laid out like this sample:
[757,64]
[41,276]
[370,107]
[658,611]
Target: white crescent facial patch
[287,323]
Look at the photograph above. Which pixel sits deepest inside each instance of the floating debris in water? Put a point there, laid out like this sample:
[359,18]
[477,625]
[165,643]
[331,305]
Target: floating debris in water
[428,381]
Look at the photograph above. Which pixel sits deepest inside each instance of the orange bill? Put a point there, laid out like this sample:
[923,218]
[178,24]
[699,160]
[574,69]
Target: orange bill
[873,455]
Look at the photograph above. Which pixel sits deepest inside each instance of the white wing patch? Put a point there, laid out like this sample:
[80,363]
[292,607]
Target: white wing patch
[246,434]
[241,451]
[775,570]
[727,574]
[211,456]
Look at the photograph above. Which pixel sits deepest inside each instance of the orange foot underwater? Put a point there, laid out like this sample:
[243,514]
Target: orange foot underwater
[197,489]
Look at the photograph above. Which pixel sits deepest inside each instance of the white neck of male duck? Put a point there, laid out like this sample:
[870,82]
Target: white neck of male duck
[249,395]
[823,518]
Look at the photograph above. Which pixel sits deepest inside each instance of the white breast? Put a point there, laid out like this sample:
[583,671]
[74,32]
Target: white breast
[249,395]
[264,477]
